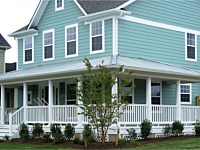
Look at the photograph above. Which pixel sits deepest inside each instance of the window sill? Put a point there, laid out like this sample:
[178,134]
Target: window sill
[97,51]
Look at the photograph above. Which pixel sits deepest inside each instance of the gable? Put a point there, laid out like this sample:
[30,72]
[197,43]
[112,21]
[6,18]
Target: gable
[3,43]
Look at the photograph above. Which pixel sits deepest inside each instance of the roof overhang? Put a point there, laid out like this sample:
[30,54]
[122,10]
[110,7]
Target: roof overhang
[5,47]
[103,14]
[24,33]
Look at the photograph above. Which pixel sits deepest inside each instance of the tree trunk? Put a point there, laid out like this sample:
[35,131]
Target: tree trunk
[103,138]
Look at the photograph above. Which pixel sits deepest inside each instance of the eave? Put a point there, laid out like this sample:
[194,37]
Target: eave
[23,33]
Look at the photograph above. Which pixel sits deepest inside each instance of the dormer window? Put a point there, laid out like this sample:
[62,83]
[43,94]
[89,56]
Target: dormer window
[96,37]
[59,5]
[190,47]
[28,49]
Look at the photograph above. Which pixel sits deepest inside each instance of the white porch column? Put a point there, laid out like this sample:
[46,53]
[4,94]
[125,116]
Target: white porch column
[178,100]
[79,110]
[148,98]
[50,101]
[25,100]
[2,103]
[15,97]
[115,88]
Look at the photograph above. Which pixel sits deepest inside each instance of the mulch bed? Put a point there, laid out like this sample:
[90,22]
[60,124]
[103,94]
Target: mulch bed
[107,145]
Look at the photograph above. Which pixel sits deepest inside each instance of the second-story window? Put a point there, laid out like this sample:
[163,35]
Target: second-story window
[71,45]
[48,45]
[28,49]
[191,53]
[59,5]
[97,37]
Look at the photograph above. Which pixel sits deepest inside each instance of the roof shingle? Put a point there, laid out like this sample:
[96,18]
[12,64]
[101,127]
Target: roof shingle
[4,43]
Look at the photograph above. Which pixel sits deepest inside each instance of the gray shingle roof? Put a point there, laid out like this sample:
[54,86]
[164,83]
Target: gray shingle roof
[93,6]
[4,43]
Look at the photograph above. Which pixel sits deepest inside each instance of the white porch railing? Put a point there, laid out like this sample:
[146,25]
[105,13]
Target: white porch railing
[190,114]
[163,113]
[37,114]
[133,113]
[17,117]
[65,114]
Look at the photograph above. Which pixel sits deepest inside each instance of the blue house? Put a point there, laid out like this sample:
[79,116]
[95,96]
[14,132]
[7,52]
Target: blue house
[157,40]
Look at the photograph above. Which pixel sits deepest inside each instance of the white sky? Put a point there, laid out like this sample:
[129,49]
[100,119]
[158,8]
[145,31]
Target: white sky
[15,14]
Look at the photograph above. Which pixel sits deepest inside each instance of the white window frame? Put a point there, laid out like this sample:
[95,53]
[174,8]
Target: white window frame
[66,27]
[103,38]
[31,97]
[56,6]
[28,62]
[47,31]
[186,58]
[190,85]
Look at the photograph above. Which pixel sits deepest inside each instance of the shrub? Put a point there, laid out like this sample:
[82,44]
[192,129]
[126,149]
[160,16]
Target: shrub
[123,140]
[76,140]
[145,127]
[177,128]
[131,133]
[37,131]
[88,135]
[6,137]
[197,127]
[46,138]
[69,132]
[134,142]
[167,130]
[56,134]
[23,131]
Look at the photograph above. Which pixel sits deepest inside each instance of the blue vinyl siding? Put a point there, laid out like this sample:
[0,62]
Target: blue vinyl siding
[58,20]
[168,93]
[152,43]
[140,91]
[183,13]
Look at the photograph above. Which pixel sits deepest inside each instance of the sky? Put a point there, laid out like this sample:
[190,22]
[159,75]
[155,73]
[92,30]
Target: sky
[15,14]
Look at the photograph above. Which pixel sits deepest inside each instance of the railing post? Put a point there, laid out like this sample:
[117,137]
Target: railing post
[148,98]
[50,101]
[2,104]
[10,124]
[178,100]
[25,99]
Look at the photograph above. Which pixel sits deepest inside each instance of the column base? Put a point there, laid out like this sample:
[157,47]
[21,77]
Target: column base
[79,129]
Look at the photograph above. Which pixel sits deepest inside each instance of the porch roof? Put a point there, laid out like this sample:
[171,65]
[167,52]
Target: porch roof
[64,69]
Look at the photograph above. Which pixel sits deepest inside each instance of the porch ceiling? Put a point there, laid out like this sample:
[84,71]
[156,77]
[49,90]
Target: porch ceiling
[139,66]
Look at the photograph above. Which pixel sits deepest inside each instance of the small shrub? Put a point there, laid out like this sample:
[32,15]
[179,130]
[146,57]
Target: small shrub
[145,127]
[177,128]
[23,131]
[46,138]
[167,130]
[134,142]
[37,131]
[76,140]
[69,132]
[58,138]
[88,134]
[131,133]
[123,140]
[197,127]
[6,137]
[81,142]
[56,134]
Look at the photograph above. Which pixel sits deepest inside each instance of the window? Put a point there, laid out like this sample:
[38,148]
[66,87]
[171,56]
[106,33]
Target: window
[59,5]
[71,94]
[155,93]
[28,49]
[186,93]
[29,97]
[191,47]
[48,45]
[97,37]
[71,38]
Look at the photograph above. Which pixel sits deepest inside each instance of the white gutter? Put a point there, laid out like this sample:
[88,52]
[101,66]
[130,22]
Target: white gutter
[23,33]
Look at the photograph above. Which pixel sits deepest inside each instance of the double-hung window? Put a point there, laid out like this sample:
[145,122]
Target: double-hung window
[186,95]
[155,93]
[28,49]
[59,5]
[71,39]
[48,45]
[191,47]
[97,37]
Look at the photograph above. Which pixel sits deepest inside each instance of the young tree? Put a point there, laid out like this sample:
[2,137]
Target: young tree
[99,104]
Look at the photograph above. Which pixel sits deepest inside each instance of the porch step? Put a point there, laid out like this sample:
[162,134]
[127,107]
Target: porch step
[4,130]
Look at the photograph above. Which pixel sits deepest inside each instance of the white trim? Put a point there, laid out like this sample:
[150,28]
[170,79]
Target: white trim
[31,97]
[190,59]
[53,44]
[56,6]
[159,25]
[17,62]
[66,27]
[126,4]
[115,35]
[133,93]
[188,84]
[103,39]
[28,62]
[79,6]
[21,34]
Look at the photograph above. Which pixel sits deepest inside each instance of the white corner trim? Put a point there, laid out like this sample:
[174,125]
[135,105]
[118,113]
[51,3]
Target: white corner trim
[79,6]
[159,25]
[115,35]
[126,4]
[66,27]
